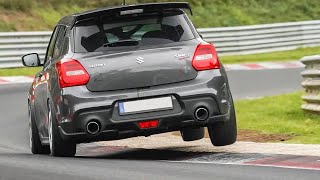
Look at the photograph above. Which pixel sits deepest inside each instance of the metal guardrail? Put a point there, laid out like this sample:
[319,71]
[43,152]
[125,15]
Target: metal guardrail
[311,82]
[13,45]
[228,40]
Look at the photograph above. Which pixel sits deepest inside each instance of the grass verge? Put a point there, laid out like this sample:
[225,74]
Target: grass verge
[292,55]
[207,13]
[279,115]
[24,71]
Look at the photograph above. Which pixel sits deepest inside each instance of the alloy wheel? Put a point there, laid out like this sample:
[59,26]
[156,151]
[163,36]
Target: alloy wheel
[50,129]
[30,127]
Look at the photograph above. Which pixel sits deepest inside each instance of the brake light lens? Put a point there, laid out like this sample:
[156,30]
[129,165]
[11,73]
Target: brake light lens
[205,58]
[148,124]
[71,73]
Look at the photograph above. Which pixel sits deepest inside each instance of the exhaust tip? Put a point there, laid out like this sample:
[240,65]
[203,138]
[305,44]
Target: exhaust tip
[93,127]
[201,114]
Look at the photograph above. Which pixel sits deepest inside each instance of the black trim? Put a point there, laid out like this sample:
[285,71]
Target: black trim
[38,60]
[72,19]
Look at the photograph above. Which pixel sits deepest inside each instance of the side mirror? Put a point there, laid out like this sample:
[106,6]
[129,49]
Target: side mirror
[31,60]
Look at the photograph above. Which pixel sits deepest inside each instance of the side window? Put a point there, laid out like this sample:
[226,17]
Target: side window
[58,48]
[52,43]
[65,49]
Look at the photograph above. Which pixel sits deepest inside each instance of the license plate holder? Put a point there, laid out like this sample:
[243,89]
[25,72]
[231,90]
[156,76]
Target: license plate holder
[145,105]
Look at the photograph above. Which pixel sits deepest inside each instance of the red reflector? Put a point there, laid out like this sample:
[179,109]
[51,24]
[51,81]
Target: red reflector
[148,124]
[71,73]
[205,57]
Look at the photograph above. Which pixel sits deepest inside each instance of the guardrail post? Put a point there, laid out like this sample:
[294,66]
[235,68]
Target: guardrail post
[311,83]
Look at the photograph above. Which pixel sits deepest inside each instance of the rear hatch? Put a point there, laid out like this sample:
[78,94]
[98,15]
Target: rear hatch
[136,49]
[139,69]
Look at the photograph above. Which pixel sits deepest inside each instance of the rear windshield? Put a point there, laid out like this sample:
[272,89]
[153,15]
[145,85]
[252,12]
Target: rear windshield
[134,31]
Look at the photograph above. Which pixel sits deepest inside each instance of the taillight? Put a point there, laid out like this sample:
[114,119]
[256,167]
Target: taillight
[205,57]
[71,73]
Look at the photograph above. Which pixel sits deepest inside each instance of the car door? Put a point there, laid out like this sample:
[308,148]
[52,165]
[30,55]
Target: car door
[41,86]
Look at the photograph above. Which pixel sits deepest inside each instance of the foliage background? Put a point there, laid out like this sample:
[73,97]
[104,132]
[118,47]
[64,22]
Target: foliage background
[30,15]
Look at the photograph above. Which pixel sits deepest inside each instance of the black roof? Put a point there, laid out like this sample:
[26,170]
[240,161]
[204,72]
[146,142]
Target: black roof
[72,19]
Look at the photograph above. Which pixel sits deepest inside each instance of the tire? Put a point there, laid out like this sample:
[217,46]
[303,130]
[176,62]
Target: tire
[192,134]
[222,134]
[58,147]
[34,139]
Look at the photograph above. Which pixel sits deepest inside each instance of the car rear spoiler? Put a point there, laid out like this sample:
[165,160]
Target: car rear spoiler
[128,8]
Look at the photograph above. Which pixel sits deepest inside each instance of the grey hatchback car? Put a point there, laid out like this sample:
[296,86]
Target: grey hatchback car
[127,71]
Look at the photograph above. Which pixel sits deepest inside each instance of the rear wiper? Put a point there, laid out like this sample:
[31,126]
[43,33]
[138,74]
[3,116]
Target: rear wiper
[130,42]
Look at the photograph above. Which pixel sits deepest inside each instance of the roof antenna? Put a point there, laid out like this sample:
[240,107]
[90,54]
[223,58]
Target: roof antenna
[124,2]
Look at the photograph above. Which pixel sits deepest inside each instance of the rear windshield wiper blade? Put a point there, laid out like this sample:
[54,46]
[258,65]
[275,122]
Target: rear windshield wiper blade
[130,42]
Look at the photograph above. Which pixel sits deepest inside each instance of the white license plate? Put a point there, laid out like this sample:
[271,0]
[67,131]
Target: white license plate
[145,105]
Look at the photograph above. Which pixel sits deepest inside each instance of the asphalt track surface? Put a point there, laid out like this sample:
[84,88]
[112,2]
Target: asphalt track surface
[16,161]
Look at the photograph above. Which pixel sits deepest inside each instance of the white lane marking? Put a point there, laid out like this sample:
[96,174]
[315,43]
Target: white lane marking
[240,164]
[15,79]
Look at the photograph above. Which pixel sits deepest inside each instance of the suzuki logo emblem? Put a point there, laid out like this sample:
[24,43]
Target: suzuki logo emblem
[140,60]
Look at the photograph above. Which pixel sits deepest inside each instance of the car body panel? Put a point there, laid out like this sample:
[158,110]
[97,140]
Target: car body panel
[142,68]
[79,106]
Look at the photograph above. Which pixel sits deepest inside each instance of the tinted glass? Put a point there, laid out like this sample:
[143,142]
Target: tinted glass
[136,31]
[52,43]
[65,45]
[59,43]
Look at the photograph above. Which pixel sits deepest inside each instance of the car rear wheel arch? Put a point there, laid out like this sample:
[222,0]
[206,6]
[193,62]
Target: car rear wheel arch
[58,146]
[224,133]
[36,145]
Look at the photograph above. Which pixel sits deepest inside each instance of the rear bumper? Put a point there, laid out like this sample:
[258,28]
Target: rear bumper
[124,128]
[78,106]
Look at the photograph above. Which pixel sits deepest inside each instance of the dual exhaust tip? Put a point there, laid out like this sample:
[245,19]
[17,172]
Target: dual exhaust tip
[201,114]
[93,127]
